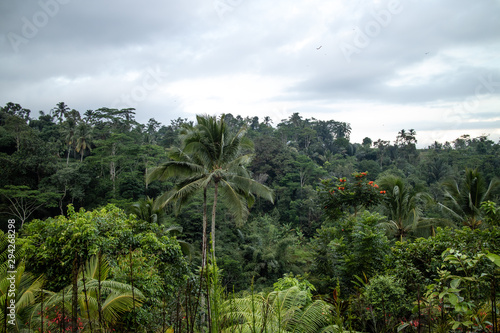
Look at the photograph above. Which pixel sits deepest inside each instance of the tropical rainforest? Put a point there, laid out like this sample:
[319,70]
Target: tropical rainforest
[232,224]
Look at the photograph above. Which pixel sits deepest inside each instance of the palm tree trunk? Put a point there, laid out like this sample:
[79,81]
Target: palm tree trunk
[86,300]
[134,315]
[67,156]
[74,301]
[99,306]
[204,241]
[214,207]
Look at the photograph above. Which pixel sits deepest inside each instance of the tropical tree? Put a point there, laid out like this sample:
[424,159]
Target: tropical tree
[100,301]
[23,201]
[190,173]
[21,288]
[211,156]
[462,200]
[83,139]
[288,310]
[68,131]
[147,210]
[401,206]
[60,111]
[340,194]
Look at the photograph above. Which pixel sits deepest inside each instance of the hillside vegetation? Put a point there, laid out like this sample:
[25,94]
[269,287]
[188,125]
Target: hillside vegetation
[231,224]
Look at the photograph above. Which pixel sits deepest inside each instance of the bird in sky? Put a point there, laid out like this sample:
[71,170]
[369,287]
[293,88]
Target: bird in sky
[319,47]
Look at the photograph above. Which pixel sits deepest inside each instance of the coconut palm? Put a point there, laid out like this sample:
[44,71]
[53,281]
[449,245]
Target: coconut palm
[190,174]
[402,207]
[222,155]
[68,131]
[211,156]
[84,139]
[463,199]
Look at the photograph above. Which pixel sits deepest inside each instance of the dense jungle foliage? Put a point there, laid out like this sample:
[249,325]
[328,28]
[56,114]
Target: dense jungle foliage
[231,224]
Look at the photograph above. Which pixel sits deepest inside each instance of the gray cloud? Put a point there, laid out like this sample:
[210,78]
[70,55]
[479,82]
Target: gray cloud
[423,54]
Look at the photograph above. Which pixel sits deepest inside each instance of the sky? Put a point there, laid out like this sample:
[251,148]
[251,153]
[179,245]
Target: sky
[382,66]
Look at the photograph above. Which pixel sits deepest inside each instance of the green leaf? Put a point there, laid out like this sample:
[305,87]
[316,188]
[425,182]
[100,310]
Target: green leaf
[403,326]
[494,257]
[453,299]
[455,283]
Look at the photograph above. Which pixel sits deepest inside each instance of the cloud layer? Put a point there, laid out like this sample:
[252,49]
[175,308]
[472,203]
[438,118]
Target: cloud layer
[380,65]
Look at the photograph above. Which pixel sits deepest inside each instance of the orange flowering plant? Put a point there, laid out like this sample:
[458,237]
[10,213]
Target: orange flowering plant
[341,195]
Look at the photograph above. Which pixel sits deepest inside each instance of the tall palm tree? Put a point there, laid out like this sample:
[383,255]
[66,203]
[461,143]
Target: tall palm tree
[463,199]
[401,206]
[84,138]
[212,157]
[223,156]
[68,131]
[60,111]
[190,175]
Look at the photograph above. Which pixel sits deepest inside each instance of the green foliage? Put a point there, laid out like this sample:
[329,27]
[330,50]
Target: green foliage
[463,200]
[289,281]
[264,251]
[104,156]
[355,247]
[339,195]
[24,290]
[460,289]
[417,263]
[23,201]
[96,292]
[52,243]
[289,310]
[403,207]
[386,297]
[491,213]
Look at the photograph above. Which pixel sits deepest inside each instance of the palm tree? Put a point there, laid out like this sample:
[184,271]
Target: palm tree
[68,131]
[290,310]
[463,200]
[147,210]
[223,157]
[99,299]
[400,139]
[401,206]
[211,156]
[190,173]
[60,111]
[28,289]
[84,138]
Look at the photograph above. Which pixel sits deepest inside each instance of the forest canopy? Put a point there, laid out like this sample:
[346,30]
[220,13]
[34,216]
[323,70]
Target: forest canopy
[200,225]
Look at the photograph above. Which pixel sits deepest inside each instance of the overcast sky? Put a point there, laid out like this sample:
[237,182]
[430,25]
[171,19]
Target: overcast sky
[382,66]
